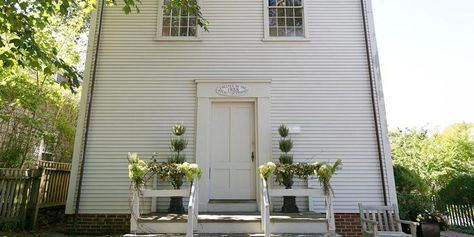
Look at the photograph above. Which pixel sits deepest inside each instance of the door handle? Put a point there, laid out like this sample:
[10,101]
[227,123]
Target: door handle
[253,157]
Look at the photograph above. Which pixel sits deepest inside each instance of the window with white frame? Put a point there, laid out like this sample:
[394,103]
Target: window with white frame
[176,23]
[285,18]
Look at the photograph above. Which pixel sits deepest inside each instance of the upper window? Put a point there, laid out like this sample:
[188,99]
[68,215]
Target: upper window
[176,23]
[286,18]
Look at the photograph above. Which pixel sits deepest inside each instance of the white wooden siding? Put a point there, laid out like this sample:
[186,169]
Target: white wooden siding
[144,86]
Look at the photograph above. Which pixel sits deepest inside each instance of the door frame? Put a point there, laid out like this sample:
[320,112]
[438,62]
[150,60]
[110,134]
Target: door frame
[208,92]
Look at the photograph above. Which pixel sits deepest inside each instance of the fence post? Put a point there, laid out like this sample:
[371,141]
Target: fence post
[33,204]
[25,197]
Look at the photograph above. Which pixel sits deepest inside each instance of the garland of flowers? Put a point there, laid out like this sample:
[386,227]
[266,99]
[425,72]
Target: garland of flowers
[140,171]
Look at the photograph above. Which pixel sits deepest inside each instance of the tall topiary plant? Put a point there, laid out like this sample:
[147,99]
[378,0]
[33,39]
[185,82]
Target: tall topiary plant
[285,173]
[177,144]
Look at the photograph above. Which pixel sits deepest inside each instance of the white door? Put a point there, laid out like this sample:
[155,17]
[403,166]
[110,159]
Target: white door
[232,161]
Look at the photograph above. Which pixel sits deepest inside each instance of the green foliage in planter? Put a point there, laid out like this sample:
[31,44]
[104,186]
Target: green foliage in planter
[325,171]
[178,129]
[459,190]
[283,130]
[285,171]
[178,144]
[284,175]
[286,145]
[286,159]
[177,159]
[304,170]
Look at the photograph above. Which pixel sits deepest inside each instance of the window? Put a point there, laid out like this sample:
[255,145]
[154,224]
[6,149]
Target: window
[176,23]
[285,18]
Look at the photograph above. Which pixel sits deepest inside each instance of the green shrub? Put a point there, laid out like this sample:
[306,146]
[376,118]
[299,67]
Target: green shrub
[412,204]
[407,181]
[459,190]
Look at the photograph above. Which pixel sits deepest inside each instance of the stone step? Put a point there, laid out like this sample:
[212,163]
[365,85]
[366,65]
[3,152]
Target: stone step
[248,223]
[223,235]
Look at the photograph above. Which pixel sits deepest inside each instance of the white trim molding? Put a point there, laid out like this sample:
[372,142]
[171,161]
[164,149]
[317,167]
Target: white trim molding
[256,91]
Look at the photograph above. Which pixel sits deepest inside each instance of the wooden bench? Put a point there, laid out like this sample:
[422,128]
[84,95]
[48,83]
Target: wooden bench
[383,221]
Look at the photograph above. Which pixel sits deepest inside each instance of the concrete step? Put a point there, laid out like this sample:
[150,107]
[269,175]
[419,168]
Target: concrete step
[223,235]
[248,223]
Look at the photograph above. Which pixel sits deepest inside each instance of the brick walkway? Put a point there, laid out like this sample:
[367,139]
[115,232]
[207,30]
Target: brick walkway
[454,234]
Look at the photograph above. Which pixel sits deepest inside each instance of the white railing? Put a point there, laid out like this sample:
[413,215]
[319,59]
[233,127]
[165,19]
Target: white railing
[192,205]
[192,209]
[265,203]
[265,210]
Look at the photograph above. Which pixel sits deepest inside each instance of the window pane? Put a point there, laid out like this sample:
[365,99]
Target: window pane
[290,31]
[175,12]
[273,32]
[297,2]
[298,12]
[175,21]
[290,22]
[272,22]
[272,12]
[165,31]
[166,12]
[289,2]
[281,32]
[299,21]
[281,22]
[192,31]
[271,2]
[184,21]
[281,12]
[183,31]
[192,21]
[281,3]
[299,31]
[174,31]
[289,12]
[166,21]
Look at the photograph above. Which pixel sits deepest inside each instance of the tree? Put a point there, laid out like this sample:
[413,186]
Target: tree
[436,158]
[38,40]
[28,40]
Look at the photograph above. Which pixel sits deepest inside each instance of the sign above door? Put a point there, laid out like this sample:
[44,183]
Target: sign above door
[232,90]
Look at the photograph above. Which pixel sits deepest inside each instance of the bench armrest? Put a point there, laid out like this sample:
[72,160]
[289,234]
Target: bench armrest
[412,226]
[408,222]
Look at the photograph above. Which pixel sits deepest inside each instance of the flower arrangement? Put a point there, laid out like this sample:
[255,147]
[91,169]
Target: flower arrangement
[267,170]
[190,171]
[137,170]
[325,171]
[433,216]
[175,170]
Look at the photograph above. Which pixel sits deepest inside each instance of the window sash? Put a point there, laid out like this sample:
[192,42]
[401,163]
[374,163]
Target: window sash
[284,21]
[176,24]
